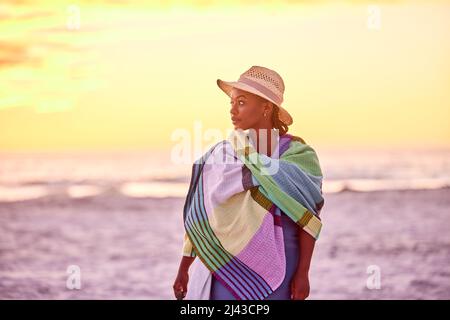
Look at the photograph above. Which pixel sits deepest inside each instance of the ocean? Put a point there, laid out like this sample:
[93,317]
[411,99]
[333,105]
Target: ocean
[152,174]
[116,219]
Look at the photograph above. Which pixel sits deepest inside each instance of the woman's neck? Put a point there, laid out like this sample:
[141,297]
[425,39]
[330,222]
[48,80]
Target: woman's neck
[263,138]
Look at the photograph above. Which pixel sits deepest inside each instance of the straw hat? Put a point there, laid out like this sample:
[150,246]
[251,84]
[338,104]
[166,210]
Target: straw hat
[263,82]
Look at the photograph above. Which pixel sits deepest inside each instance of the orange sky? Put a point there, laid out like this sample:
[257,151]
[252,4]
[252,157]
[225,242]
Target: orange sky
[132,75]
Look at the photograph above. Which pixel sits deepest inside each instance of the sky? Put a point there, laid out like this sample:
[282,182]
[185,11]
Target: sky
[123,74]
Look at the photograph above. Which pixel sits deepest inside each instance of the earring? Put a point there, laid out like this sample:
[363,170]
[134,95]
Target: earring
[265,115]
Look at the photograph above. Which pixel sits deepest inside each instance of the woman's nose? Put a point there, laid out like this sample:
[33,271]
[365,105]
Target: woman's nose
[233,109]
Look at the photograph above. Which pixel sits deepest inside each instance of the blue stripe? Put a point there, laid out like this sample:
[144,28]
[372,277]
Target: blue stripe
[257,283]
[202,212]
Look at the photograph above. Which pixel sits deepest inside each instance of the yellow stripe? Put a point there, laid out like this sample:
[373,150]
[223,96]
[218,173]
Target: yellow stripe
[315,224]
[305,218]
[260,198]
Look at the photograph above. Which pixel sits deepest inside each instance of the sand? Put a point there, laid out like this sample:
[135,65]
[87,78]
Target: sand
[130,248]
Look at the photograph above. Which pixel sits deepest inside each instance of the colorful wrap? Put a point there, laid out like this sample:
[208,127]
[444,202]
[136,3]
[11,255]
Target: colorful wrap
[233,207]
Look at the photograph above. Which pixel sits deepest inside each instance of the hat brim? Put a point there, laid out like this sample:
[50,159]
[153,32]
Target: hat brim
[227,86]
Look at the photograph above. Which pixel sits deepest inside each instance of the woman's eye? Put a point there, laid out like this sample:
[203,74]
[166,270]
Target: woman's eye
[240,102]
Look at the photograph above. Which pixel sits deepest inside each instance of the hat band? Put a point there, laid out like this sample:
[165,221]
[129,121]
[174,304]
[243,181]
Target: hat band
[261,89]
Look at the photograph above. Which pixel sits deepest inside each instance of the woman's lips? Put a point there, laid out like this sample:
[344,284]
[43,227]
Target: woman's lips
[235,120]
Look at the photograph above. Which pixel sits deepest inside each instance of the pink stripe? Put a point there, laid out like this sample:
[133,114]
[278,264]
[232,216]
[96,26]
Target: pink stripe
[268,255]
[262,89]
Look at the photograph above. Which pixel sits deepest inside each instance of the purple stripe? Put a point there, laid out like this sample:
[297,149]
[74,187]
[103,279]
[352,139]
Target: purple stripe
[190,220]
[247,182]
[232,264]
[210,248]
[218,266]
[225,284]
[259,289]
[207,248]
[255,283]
[285,141]
[237,284]
[235,264]
[237,292]
[261,89]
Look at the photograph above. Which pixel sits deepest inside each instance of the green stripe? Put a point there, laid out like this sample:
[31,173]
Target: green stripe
[304,157]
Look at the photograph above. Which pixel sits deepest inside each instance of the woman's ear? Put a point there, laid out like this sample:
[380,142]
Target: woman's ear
[269,107]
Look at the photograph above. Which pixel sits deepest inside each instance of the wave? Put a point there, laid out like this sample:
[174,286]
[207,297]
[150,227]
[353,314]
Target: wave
[370,185]
[178,188]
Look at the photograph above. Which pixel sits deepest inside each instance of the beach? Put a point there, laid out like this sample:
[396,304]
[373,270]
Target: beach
[129,248]
[108,104]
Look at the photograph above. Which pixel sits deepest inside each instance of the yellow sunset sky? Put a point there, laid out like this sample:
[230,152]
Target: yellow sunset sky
[127,74]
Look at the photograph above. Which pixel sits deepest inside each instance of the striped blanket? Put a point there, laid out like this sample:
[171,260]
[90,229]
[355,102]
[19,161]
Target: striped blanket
[233,207]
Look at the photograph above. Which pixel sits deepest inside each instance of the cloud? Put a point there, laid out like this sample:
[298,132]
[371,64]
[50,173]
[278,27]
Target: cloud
[12,54]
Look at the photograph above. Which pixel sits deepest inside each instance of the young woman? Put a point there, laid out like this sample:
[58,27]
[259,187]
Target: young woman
[253,228]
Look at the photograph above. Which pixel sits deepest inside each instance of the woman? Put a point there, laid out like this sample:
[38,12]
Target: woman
[253,223]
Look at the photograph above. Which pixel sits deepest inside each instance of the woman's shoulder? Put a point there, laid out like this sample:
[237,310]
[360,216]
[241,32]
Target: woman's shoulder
[296,138]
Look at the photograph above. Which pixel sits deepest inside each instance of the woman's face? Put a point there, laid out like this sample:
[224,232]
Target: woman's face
[247,110]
